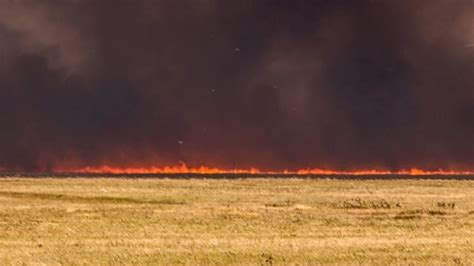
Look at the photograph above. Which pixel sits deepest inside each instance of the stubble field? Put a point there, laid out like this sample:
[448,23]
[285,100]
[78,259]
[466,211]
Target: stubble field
[241,221]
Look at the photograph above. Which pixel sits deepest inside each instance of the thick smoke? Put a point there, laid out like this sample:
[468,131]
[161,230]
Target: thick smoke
[274,84]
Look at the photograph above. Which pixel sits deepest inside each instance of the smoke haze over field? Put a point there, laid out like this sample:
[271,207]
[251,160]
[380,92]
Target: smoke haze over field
[274,84]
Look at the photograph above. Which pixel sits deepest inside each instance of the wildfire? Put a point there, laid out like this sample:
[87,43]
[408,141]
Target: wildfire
[184,169]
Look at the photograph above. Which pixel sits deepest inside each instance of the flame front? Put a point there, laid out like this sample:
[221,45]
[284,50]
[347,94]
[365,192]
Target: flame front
[184,169]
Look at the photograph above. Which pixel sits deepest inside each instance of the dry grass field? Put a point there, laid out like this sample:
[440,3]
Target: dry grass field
[110,221]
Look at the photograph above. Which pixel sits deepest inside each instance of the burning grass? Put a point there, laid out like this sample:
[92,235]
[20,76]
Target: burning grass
[247,221]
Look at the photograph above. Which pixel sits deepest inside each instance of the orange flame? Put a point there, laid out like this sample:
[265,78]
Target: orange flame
[184,169]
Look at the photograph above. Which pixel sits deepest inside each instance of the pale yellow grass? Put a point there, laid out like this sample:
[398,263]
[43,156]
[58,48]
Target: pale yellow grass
[244,221]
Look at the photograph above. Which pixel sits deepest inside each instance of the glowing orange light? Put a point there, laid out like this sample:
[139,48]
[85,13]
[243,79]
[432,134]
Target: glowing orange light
[184,169]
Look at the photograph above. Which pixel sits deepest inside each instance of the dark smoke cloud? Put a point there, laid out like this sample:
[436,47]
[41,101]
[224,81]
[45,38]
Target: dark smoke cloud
[271,83]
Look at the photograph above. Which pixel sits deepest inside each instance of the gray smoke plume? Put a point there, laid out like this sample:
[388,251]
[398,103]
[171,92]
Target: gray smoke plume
[274,84]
